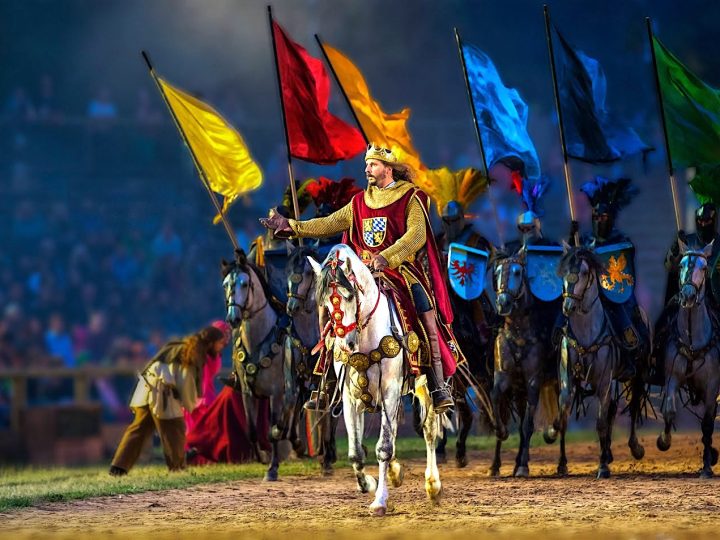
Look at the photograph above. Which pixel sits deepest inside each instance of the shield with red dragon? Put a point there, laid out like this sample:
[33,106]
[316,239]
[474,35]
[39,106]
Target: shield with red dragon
[467,267]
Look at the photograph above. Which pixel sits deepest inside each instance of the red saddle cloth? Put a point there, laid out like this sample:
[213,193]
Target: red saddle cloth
[220,433]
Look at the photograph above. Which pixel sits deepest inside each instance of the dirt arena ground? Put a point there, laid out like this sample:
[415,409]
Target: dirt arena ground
[659,497]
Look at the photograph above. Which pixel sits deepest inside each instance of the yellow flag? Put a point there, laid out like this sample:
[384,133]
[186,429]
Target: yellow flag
[220,151]
[390,131]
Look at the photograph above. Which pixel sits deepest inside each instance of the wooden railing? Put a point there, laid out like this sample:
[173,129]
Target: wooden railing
[81,377]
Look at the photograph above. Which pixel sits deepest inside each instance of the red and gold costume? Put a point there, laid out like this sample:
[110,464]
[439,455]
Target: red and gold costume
[393,222]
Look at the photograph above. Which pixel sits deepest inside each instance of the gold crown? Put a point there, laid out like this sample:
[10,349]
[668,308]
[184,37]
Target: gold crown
[382,154]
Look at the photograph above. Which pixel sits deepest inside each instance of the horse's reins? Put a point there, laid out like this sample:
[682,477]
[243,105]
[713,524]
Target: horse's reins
[505,278]
[230,298]
[572,278]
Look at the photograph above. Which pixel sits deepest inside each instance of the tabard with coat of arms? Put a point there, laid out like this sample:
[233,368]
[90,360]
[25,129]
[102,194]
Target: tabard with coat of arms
[374,230]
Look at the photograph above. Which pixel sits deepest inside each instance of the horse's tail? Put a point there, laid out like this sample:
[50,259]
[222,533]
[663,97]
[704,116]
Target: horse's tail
[548,410]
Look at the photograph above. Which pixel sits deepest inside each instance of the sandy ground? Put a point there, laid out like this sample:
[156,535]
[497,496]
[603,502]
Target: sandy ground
[658,497]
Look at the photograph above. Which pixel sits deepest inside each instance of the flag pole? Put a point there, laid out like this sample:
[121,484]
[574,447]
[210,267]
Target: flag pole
[671,170]
[201,172]
[342,89]
[479,139]
[293,188]
[556,93]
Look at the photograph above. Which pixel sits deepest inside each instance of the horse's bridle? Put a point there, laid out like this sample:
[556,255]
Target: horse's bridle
[230,293]
[572,277]
[693,258]
[295,279]
[337,314]
[505,278]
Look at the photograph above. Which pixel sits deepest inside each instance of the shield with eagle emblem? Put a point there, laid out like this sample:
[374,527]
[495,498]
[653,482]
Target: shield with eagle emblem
[374,230]
[542,264]
[619,280]
[467,267]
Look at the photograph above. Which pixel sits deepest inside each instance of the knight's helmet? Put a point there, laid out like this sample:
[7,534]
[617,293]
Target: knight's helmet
[453,220]
[607,197]
[452,193]
[528,223]
[706,223]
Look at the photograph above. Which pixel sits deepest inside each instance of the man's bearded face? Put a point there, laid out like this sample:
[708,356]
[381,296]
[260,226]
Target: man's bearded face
[376,171]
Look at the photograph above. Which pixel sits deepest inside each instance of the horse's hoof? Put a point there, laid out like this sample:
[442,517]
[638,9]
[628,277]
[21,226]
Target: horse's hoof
[713,456]
[434,491]
[461,461]
[706,473]
[562,470]
[603,472]
[271,476]
[299,449]
[377,510]
[610,457]
[637,451]
[327,471]
[522,472]
[370,485]
[440,457]
[396,473]
[494,472]
[550,435]
[662,444]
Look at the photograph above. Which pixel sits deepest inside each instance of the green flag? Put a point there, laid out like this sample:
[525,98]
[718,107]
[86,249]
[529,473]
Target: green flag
[692,112]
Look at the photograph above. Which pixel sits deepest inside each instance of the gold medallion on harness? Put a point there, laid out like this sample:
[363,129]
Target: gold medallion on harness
[251,369]
[389,346]
[375,356]
[265,361]
[363,381]
[413,342]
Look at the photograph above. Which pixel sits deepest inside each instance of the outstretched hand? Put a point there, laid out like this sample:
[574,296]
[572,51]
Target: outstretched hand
[279,224]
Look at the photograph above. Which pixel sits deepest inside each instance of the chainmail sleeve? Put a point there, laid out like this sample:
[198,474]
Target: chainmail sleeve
[323,227]
[412,241]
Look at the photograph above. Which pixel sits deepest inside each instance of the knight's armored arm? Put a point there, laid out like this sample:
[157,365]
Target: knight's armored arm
[323,227]
[412,241]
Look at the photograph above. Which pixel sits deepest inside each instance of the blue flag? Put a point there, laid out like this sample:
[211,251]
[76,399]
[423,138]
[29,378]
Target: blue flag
[501,114]
[591,133]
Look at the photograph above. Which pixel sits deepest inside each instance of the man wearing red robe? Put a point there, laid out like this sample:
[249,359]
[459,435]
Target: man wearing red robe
[388,227]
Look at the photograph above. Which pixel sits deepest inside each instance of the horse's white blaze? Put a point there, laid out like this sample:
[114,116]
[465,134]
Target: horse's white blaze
[385,383]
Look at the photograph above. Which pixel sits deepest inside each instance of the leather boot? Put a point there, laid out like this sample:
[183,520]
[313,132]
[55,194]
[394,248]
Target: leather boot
[439,391]
[320,398]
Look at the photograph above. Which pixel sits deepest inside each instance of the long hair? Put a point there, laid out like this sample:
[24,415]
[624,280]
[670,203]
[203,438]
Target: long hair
[198,345]
[401,172]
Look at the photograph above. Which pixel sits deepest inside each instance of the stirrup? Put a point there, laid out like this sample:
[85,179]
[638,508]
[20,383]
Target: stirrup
[318,402]
[444,402]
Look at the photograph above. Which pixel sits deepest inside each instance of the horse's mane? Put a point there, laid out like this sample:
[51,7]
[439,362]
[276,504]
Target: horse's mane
[300,253]
[574,256]
[241,263]
[339,276]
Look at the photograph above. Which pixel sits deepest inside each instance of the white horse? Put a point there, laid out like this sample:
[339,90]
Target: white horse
[370,366]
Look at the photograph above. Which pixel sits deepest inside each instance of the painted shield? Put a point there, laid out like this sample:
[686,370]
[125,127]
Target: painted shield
[618,282]
[467,267]
[542,264]
[374,230]
[275,263]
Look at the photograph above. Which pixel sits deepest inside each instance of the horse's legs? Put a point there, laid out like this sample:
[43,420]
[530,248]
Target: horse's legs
[329,456]
[277,428]
[385,447]
[494,469]
[565,401]
[603,427]
[528,427]
[669,411]
[637,391]
[465,420]
[433,487]
[710,454]
[294,432]
[522,409]
[441,444]
[355,425]
[500,389]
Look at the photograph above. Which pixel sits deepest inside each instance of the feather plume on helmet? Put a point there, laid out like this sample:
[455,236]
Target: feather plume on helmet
[531,194]
[328,195]
[444,186]
[609,196]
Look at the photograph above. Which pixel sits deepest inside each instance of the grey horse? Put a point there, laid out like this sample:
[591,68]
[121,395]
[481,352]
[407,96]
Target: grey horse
[523,358]
[692,355]
[590,359]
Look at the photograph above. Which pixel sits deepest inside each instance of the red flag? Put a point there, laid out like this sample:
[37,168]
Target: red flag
[315,134]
